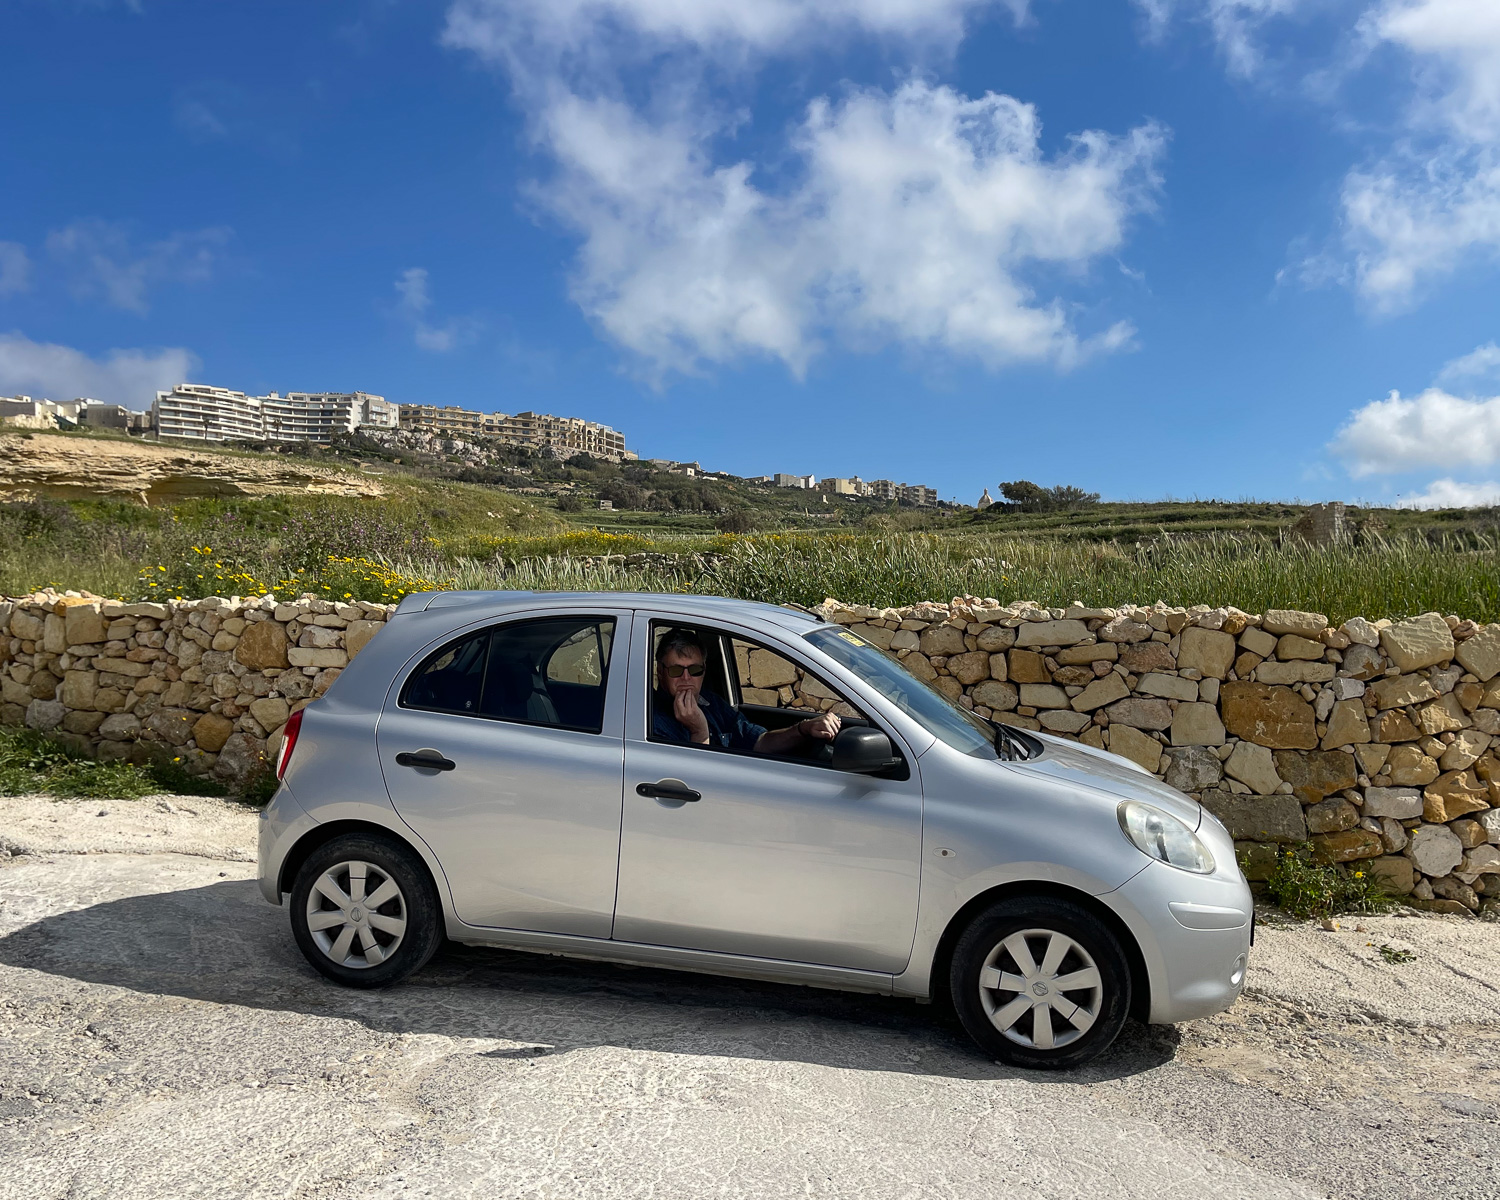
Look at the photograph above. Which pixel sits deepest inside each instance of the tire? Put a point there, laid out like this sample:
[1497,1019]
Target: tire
[1034,1024]
[343,938]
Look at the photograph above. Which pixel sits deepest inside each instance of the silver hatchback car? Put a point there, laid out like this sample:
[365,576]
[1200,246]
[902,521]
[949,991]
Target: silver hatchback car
[506,769]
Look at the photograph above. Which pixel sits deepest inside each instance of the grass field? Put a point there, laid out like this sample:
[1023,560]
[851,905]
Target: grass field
[434,531]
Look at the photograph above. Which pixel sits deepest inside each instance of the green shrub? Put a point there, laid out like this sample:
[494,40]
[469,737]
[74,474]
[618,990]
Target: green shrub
[1310,890]
[31,762]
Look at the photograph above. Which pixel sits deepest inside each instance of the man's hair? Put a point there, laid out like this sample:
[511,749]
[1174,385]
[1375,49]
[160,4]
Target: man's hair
[680,640]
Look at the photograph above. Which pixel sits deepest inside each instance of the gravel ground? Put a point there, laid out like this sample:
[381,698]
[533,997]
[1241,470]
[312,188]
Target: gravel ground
[161,1036]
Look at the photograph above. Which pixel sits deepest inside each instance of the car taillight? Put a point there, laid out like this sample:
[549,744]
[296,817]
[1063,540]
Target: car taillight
[288,742]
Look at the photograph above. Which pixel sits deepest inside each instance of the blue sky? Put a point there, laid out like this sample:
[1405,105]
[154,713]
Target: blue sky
[1212,248]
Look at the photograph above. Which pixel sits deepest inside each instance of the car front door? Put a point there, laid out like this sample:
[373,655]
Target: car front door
[502,750]
[778,858]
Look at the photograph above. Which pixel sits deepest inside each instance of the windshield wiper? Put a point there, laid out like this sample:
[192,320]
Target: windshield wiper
[1007,746]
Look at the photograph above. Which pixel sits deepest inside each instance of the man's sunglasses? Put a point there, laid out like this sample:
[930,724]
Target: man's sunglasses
[676,669]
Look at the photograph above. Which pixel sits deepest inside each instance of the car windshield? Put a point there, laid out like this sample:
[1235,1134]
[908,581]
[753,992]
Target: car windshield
[946,721]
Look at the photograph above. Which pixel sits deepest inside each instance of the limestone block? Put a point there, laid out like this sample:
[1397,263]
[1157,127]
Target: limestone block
[322,637]
[171,725]
[45,715]
[300,657]
[1123,629]
[1443,715]
[354,640]
[83,623]
[1362,662]
[54,634]
[995,695]
[1455,794]
[1257,860]
[1283,620]
[1420,642]
[1348,846]
[1060,720]
[1465,750]
[1207,650]
[12,692]
[1070,656]
[1100,692]
[1471,833]
[1398,803]
[29,627]
[1397,691]
[1258,642]
[948,686]
[270,712]
[1490,819]
[1197,724]
[1435,850]
[1394,874]
[211,731]
[1253,766]
[1291,647]
[1193,769]
[1316,775]
[1268,716]
[1372,758]
[1258,818]
[1043,695]
[44,685]
[1145,751]
[1051,633]
[970,667]
[242,758]
[1480,654]
[943,640]
[1027,666]
[1331,816]
[1454,889]
[1294,672]
[1394,726]
[1148,657]
[1347,725]
[996,638]
[123,666]
[79,689]
[1169,687]
[1140,713]
[916,662]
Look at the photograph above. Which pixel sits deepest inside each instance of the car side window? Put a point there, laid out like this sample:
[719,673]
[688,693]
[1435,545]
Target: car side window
[451,679]
[552,671]
[771,680]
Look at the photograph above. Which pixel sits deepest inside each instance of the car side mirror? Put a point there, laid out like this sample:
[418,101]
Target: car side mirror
[863,750]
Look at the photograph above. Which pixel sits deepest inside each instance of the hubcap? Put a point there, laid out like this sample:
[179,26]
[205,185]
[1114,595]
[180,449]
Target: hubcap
[356,914]
[1041,989]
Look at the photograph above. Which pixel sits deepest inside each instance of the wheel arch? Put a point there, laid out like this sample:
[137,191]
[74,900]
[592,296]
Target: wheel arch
[1140,979]
[320,835]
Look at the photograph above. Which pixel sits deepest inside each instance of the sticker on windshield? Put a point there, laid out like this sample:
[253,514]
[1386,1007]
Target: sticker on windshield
[851,637]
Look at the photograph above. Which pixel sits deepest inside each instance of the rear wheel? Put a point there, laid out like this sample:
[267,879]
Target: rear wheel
[1040,982]
[364,911]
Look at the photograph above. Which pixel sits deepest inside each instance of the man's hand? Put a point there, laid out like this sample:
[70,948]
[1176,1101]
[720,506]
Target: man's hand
[685,709]
[824,727]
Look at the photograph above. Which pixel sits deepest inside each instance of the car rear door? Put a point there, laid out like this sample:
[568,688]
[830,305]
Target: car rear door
[502,748]
[777,859]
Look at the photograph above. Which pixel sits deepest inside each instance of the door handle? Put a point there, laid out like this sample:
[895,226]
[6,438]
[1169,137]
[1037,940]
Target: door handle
[668,789]
[429,759]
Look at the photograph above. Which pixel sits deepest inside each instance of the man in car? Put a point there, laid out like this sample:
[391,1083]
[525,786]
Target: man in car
[684,712]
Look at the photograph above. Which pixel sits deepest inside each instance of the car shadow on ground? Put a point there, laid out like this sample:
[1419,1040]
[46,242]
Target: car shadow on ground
[222,943]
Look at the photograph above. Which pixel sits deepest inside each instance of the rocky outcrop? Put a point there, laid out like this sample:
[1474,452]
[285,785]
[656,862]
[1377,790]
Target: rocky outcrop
[34,465]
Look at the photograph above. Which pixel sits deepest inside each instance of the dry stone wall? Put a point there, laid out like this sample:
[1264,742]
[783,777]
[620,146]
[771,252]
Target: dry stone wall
[1377,742]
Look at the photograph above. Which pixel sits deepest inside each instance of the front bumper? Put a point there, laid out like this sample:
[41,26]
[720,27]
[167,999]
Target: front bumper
[1194,933]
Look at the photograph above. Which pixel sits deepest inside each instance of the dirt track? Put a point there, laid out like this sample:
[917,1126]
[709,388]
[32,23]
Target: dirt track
[161,1036]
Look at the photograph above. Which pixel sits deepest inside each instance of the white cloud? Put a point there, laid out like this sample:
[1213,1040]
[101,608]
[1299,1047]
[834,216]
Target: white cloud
[105,263]
[1449,493]
[497,29]
[917,218]
[416,300]
[1236,25]
[1480,363]
[1435,429]
[129,377]
[15,269]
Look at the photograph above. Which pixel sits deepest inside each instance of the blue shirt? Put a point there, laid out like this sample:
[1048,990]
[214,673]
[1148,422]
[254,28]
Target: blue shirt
[727,727]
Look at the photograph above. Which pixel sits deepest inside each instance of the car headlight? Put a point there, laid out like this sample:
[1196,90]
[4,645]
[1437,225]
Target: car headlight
[1164,837]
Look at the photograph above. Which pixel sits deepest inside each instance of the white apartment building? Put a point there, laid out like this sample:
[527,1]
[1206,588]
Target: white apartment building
[213,414]
[807,482]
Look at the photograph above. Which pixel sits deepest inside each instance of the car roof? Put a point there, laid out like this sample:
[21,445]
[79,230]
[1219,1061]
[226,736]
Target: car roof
[707,607]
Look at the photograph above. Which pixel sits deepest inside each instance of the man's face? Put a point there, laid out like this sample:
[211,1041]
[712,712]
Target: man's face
[685,682]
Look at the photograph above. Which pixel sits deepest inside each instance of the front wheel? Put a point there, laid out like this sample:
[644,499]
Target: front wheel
[1040,982]
[364,912]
